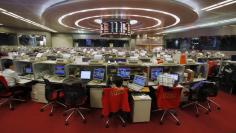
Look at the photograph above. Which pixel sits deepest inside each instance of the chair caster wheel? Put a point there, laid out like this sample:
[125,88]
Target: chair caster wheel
[66,123]
[178,123]
[84,121]
[41,110]
[50,114]
[197,115]
[161,122]
[218,108]
[207,112]
[123,125]
[107,125]
[12,109]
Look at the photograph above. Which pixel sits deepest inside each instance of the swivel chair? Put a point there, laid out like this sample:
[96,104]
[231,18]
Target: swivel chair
[197,96]
[7,94]
[115,102]
[168,98]
[75,98]
[52,95]
[212,92]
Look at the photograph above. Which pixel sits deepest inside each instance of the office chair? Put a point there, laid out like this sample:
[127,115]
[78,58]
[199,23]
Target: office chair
[115,102]
[75,97]
[8,94]
[168,98]
[52,96]
[197,95]
[212,92]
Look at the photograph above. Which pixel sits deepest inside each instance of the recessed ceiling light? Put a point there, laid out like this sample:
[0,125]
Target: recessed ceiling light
[219,5]
[133,22]
[3,11]
[1,24]
[98,21]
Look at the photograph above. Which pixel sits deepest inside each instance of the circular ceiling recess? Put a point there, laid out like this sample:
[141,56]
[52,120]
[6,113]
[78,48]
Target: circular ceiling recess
[148,16]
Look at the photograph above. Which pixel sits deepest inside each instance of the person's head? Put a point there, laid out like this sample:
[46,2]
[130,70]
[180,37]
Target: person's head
[117,81]
[8,64]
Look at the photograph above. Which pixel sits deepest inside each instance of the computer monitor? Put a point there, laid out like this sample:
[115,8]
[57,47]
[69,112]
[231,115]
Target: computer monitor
[98,73]
[85,75]
[175,76]
[59,70]
[28,70]
[233,58]
[155,72]
[124,73]
[139,80]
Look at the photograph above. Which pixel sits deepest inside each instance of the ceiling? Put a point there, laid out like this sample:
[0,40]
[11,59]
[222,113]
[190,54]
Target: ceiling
[71,16]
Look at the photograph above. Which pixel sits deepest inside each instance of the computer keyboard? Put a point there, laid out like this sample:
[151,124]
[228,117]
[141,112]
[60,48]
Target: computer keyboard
[135,87]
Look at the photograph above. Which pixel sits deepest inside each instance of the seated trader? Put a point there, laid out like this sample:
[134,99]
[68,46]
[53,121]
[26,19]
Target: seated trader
[12,79]
[10,75]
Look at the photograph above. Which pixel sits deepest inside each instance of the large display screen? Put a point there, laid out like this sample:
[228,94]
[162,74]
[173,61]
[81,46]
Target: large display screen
[115,27]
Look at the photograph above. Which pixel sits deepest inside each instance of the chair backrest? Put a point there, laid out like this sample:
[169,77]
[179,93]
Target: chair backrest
[3,84]
[49,90]
[168,97]
[211,66]
[211,89]
[74,91]
[202,90]
[114,100]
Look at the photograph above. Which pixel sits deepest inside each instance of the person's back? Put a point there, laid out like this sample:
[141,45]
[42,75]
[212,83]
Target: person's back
[9,73]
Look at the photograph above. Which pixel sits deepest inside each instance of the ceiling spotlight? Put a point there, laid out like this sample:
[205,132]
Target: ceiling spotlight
[98,21]
[1,24]
[133,22]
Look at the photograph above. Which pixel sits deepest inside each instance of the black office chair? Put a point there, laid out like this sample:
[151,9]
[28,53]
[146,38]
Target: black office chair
[196,98]
[53,96]
[75,97]
[212,91]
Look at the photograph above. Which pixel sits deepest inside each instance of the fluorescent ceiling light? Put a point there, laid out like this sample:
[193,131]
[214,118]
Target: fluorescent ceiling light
[3,11]
[60,20]
[158,22]
[219,5]
[1,24]
[211,24]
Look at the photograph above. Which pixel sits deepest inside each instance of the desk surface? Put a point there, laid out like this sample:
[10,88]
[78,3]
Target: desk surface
[24,81]
[96,84]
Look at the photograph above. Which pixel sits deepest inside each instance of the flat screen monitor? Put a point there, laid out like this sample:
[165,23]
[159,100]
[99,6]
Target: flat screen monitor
[85,75]
[124,73]
[28,70]
[98,73]
[155,72]
[233,58]
[175,76]
[139,80]
[59,70]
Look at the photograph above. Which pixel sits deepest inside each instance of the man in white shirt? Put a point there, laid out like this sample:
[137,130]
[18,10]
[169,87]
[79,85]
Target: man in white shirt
[10,75]
[12,80]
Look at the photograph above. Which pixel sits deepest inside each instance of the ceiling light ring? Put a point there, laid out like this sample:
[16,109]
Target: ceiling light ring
[158,21]
[177,19]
